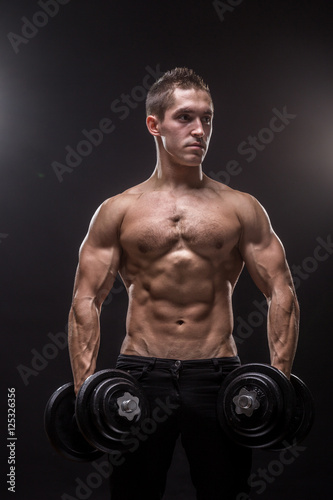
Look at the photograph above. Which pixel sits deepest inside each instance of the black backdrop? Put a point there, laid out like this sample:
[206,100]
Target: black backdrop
[69,67]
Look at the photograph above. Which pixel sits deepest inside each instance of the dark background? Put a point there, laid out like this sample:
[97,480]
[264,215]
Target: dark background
[256,56]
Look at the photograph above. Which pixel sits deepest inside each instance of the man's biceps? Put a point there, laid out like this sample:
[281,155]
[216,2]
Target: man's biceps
[267,262]
[257,253]
[272,249]
[96,257]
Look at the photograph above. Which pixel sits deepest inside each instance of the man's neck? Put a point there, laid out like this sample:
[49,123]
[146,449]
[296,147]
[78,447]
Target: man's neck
[172,176]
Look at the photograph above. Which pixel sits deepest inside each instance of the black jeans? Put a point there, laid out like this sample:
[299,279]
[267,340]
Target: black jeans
[182,397]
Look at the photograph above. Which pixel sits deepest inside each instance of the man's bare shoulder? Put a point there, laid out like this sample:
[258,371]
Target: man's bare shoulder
[113,209]
[242,201]
[250,213]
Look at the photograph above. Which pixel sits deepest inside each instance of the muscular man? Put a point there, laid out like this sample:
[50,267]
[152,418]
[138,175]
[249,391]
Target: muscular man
[179,241]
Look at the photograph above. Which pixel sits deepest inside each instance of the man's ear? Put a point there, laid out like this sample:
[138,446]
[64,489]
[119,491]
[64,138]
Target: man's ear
[153,125]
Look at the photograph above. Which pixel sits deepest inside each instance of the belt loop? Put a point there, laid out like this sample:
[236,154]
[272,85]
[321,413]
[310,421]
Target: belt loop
[150,365]
[217,366]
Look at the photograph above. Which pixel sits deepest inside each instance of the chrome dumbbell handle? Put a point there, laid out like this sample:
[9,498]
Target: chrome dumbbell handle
[246,402]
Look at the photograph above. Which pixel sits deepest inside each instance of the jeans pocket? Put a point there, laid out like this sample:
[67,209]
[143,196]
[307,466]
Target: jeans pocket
[136,371]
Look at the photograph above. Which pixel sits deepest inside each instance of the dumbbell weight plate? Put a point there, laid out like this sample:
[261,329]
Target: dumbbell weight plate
[302,420]
[97,411]
[273,405]
[62,429]
[106,416]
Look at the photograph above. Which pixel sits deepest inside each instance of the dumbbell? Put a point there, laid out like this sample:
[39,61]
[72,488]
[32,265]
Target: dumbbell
[98,420]
[259,407]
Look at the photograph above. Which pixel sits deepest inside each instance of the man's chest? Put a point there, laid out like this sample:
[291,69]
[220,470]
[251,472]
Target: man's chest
[160,225]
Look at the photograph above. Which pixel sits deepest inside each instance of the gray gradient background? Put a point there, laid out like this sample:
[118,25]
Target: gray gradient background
[261,56]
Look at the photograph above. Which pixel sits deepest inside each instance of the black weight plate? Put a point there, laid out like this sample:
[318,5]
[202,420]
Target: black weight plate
[104,408]
[303,417]
[62,429]
[264,424]
[268,423]
[99,435]
[109,407]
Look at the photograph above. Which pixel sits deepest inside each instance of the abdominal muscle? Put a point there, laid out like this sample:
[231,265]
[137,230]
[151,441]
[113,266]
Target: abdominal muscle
[179,308]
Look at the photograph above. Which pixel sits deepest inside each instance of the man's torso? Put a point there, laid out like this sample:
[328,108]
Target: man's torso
[180,262]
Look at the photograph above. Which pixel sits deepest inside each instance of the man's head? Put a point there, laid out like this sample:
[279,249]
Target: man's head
[179,116]
[160,95]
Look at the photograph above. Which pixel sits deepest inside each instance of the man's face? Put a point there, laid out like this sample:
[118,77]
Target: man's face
[187,126]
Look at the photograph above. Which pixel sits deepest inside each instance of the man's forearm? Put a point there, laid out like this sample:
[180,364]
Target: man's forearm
[282,329]
[83,339]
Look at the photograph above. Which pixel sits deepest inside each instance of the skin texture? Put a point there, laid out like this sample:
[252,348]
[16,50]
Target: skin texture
[180,241]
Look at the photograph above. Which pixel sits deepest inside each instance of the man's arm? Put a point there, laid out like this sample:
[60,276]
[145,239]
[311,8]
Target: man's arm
[265,260]
[99,258]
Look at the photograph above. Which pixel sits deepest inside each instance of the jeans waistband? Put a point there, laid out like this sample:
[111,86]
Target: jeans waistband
[187,363]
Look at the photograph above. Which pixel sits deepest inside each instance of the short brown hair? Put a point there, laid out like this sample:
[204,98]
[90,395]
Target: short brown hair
[160,94]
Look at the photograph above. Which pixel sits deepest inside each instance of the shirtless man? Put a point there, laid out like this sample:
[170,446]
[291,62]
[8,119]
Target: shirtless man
[179,241]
